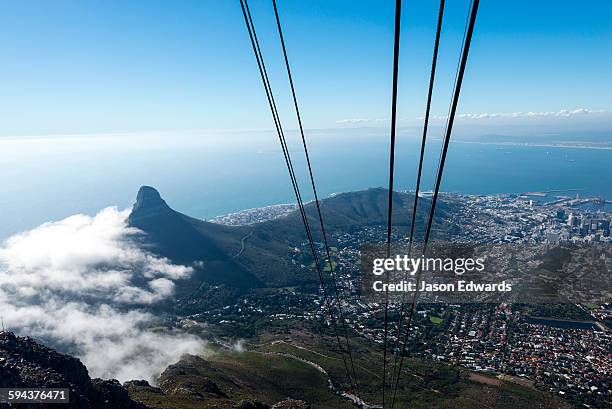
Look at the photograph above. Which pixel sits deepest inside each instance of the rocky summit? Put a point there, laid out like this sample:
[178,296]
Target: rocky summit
[25,363]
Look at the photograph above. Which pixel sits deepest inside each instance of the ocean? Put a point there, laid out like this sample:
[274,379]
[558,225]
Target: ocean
[206,174]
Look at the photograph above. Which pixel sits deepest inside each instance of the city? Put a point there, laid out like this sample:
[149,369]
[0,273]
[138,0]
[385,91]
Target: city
[570,355]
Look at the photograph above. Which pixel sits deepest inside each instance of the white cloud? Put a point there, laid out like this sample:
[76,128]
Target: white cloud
[563,113]
[238,346]
[82,283]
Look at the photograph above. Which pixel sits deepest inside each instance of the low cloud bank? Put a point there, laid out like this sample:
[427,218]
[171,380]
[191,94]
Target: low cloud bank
[82,283]
[563,113]
[530,115]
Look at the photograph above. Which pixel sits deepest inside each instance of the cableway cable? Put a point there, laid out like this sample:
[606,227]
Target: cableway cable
[447,136]
[396,45]
[264,76]
[432,76]
[314,189]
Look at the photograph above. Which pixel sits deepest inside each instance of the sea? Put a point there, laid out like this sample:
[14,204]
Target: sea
[207,174]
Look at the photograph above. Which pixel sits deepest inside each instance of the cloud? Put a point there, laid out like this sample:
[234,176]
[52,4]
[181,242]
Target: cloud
[83,283]
[563,113]
[238,346]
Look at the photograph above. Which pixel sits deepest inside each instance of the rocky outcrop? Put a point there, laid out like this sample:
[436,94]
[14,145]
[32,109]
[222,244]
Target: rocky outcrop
[285,404]
[291,404]
[26,363]
[247,404]
[141,385]
[185,378]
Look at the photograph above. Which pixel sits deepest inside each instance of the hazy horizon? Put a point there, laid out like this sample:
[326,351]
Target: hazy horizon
[51,178]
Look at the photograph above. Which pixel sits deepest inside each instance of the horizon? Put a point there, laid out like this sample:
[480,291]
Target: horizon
[198,175]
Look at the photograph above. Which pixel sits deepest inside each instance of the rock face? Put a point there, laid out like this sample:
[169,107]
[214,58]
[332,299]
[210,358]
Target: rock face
[185,378]
[148,200]
[26,363]
[191,242]
[247,404]
[285,404]
[291,404]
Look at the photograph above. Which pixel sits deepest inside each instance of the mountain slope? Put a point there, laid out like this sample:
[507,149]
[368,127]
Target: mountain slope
[242,257]
[347,211]
[301,364]
[188,241]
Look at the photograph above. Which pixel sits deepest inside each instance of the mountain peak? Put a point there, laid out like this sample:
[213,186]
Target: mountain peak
[149,198]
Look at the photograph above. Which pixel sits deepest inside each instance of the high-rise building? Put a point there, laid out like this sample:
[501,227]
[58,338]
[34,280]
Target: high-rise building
[572,220]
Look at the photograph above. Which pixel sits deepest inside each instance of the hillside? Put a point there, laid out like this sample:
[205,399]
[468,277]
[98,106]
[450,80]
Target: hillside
[189,241]
[283,371]
[264,248]
[300,365]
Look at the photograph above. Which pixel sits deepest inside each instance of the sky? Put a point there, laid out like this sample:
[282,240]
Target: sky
[140,66]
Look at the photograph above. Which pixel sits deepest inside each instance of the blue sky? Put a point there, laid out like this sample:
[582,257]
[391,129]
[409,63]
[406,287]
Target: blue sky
[116,66]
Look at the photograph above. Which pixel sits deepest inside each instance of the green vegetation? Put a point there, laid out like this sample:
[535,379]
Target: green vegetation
[222,380]
[327,267]
[591,306]
[561,311]
[435,320]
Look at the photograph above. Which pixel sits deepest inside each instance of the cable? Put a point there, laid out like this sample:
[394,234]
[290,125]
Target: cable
[264,76]
[314,189]
[296,188]
[451,118]
[396,44]
[419,172]
[448,132]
